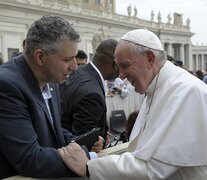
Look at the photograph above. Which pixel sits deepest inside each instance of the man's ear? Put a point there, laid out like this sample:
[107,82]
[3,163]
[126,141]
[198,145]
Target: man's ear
[150,59]
[39,56]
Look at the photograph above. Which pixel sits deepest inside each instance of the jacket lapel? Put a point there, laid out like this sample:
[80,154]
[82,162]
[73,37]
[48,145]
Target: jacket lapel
[95,74]
[33,85]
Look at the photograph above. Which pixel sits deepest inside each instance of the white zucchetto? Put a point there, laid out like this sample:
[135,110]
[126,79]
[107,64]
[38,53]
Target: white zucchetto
[145,38]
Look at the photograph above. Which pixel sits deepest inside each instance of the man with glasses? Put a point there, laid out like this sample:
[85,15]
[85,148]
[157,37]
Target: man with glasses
[83,94]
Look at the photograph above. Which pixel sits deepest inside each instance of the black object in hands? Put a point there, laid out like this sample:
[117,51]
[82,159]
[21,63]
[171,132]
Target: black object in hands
[88,139]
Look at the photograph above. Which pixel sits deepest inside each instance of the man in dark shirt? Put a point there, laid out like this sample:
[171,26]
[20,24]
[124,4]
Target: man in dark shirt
[83,95]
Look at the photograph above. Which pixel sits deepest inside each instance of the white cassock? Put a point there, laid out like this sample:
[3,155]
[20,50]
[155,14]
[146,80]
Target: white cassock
[168,142]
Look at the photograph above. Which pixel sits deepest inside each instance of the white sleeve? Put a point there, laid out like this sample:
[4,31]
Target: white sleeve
[93,155]
[120,84]
[124,92]
[120,167]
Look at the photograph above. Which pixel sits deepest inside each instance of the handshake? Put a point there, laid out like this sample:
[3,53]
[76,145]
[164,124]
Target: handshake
[75,157]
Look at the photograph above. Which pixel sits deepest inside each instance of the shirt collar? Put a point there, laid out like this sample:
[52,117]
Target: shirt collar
[150,88]
[46,92]
[102,79]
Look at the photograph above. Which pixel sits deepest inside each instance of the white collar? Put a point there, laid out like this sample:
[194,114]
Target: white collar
[102,79]
[46,92]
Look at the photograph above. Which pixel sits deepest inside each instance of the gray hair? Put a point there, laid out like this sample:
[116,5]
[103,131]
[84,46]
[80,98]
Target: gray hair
[46,32]
[136,48]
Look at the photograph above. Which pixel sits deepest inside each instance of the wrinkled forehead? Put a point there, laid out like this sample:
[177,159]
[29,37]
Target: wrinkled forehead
[121,44]
[122,51]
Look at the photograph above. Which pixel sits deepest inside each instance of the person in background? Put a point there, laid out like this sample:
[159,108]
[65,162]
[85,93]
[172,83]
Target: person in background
[15,54]
[83,94]
[191,72]
[30,128]
[130,122]
[23,45]
[168,140]
[205,79]
[199,74]
[1,59]
[117,86]
[171,59]
[124,136]
[81,57]
[179,63]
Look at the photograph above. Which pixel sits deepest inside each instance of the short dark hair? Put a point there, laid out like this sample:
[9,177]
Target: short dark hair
[199,74]
[130,122]
[179,63]
[105,49]
[170,58]
[81,54]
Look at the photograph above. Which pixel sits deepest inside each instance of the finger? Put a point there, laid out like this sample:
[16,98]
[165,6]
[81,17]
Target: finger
[73,143]
[64,149]
[98,144]
[96,149]
[60,152]
[101,139]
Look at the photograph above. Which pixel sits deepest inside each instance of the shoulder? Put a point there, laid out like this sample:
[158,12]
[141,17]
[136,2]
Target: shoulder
[9,73]
[81,77]
[185,84]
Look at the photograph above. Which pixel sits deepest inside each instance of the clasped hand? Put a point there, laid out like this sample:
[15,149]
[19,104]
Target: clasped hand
[75,157]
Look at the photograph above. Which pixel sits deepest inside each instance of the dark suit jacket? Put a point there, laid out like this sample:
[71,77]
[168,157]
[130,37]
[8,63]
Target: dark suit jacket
[28,139]
[83,102]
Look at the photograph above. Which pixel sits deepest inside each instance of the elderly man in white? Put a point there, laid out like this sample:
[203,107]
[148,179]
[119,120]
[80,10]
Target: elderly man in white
[168,140]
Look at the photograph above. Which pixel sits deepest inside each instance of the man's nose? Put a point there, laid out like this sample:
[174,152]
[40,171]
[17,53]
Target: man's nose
[73,66]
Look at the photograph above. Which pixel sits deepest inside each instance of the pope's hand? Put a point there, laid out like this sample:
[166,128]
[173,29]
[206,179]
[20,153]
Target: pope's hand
[75,158]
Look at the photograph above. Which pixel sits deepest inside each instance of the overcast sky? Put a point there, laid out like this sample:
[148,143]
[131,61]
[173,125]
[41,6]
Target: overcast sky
[194,9]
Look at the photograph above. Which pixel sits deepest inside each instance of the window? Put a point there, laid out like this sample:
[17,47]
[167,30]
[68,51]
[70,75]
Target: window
[12,52]
[98,2]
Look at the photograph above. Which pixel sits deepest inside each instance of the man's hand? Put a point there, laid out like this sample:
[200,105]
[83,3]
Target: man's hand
[98,145]
[75,158]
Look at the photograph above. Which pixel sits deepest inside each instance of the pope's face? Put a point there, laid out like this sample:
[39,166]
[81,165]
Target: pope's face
[133,66]
[58,66]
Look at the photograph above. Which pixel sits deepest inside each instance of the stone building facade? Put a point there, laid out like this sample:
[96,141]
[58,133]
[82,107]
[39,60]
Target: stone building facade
[95,20]
[199,58]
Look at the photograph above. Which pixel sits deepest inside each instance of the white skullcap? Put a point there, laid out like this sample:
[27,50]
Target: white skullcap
[143,37]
